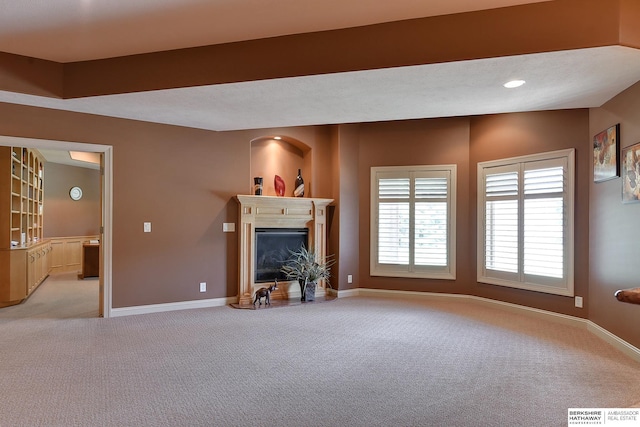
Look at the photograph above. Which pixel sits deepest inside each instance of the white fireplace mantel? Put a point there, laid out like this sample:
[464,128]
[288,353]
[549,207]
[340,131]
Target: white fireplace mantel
[277,212]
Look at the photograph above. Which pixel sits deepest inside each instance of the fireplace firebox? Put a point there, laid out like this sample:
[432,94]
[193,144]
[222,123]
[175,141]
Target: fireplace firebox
[273,248]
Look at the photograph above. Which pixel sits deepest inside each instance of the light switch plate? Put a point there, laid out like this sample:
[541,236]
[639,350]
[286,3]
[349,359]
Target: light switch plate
[229,227]
[147,227]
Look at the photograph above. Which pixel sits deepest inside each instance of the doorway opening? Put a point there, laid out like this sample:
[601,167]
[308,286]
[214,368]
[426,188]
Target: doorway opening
[106,201]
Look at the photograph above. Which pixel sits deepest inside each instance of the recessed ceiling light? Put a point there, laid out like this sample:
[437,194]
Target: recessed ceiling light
[277,137]
[83,156]
[514,83]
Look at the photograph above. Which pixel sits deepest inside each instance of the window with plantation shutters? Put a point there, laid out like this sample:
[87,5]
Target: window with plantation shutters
[525,222]
[413,214]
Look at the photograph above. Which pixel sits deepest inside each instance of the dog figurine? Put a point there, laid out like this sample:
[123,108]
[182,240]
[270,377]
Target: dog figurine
[266,294]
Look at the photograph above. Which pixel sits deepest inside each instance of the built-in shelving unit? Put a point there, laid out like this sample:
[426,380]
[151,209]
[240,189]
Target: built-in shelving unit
[24,260]
[27,177]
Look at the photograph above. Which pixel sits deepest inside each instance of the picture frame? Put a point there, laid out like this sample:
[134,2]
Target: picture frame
[631,174]
[606,149]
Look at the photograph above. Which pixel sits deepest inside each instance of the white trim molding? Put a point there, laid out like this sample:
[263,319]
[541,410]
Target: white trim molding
[172,306]
[503,190]
[396,194]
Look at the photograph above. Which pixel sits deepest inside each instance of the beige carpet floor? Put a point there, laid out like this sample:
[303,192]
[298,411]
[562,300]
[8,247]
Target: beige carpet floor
[350,362]
[60,296]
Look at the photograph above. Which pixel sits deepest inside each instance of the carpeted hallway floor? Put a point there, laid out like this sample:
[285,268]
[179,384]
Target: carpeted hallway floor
[349,362]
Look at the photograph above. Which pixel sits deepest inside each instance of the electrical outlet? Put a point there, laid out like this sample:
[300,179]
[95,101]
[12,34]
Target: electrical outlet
[579,302]
[349,278]
[147,227]
[203,286]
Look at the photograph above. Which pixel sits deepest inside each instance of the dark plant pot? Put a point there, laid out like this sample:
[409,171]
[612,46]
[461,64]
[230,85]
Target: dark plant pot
[310,292]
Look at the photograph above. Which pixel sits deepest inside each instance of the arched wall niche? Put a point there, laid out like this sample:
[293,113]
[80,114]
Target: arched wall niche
[280,155]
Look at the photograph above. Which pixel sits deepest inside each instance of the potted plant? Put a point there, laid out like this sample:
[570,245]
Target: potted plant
[304,267]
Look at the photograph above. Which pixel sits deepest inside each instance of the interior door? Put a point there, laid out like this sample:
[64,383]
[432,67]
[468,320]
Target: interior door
[101,236]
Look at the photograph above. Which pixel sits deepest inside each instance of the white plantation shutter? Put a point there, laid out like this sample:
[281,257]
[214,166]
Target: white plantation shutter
[544,219]
[411,221]
[525,233]
[501,225]
[393,220]
[430,241]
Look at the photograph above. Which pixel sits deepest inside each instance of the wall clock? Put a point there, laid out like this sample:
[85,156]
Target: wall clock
[75,193]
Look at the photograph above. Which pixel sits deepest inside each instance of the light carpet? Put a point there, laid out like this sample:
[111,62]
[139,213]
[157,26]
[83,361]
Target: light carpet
[349,362]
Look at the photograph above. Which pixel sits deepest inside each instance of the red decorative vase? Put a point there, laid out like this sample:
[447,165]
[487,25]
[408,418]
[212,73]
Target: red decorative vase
[278,183]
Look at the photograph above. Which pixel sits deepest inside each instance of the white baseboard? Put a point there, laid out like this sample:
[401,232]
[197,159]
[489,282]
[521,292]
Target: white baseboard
[614,340]
[595,329]
[184,305]
[344,294]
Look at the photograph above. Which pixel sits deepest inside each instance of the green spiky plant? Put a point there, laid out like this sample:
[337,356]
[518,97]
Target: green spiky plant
[304,267]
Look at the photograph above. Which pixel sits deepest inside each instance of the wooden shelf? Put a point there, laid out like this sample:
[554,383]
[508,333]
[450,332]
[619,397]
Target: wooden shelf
[23,253]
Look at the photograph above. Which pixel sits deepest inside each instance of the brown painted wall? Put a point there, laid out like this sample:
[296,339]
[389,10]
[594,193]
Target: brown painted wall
[629,28]
[416,142]
[465,142]
[615,237]
[64,217]
[182,181]
[344,232]
[510,135]
[270,157]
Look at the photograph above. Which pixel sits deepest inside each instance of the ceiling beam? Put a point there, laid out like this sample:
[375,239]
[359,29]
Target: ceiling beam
[22,74]
[530,28]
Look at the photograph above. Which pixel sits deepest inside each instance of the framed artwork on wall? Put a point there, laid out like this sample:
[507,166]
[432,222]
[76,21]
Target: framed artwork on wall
[631,174]
[606,148]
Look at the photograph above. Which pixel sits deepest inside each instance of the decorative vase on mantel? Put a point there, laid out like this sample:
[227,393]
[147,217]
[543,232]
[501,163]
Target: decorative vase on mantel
[278,184]
[257,185]
[299,188]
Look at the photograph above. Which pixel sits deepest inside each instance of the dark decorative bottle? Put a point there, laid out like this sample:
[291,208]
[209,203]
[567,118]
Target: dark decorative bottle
[299,190]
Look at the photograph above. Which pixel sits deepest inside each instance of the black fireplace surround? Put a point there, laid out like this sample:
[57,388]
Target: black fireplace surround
[273,248]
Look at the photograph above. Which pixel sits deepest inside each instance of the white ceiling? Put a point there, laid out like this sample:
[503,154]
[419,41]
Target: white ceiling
[72,30]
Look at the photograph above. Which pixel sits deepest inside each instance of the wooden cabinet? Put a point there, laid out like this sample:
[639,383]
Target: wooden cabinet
[90,260]
[22,269]
[24,256]
[67,253]
[38,265]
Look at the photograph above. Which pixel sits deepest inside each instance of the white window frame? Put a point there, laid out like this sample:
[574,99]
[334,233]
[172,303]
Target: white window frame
[447,271]
[558,286]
